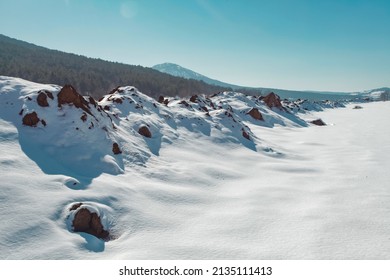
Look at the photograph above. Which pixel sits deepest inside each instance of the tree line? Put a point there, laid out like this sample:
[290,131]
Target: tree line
[90,76]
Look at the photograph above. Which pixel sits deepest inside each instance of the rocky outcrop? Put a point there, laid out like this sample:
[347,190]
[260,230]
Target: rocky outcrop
[115,149]
[272,100]
[31,119]
[85,221]
[255,113]
[68,95]
[144,131]
[318,122]
[42,99]
[194,98]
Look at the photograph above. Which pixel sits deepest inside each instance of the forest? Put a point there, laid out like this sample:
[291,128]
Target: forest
[90,76]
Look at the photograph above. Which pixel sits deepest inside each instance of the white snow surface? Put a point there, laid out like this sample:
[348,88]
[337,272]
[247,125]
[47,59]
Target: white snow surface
[197,189]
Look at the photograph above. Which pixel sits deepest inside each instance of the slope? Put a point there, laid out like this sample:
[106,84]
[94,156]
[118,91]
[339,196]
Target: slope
[197,186]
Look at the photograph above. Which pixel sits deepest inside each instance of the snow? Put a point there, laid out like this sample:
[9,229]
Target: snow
[197,189]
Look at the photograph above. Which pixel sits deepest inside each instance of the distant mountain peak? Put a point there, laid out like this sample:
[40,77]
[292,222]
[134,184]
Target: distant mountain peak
[182,72]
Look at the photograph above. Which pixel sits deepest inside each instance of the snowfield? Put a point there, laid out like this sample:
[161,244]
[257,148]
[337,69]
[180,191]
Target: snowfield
[197,188]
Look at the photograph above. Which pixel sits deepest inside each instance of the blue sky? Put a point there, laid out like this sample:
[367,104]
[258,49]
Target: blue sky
[337,45]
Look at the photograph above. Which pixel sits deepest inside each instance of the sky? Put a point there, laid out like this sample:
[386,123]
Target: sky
[324,45]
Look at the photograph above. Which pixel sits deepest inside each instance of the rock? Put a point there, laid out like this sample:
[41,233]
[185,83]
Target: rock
[184,103]
[161,99]
[254,113]
[106,108]
[85,221]
[84,117]
[318,122]
[115,149]
[43,122]
[31,119]
[92,101]
[194,98]
[21,112]
[75,206]
[245,134]
[68,95]
[272,100]
[42,100]
[49,94]
[357,107]
[113,91]
[144,131]
[118,100]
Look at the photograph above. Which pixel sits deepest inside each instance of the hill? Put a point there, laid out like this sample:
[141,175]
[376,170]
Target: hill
[179,71]
[227,176]
[91,76]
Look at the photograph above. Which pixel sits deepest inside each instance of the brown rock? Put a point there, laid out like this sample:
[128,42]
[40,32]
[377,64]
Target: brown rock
[245,134]
[115,149]
[254,113]
[318,122]
[75,206]
[272,100]
[92,101]
[184,103]
[31,119]
[68,95]
[118,100]
[42,100]
[194,98]
[84,117]
[85,221]
[161,99]
[144,131]
[49,94]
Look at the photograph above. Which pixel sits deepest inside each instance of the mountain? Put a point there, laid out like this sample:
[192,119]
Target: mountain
[179,71]
[227,176]
[93,76]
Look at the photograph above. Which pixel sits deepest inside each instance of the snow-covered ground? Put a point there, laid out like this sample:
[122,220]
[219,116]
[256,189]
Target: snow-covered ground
[197,189]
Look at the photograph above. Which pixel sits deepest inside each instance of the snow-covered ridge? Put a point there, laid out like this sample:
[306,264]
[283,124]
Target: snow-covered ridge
[76,140]
[83,137]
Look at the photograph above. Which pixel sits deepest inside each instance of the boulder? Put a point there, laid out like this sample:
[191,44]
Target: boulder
[42,99]
[115,149]
[272,100]
[68,95]
[31,119]
[318,122]
[144,131]
[85,221]
[254,113]
[161,99]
